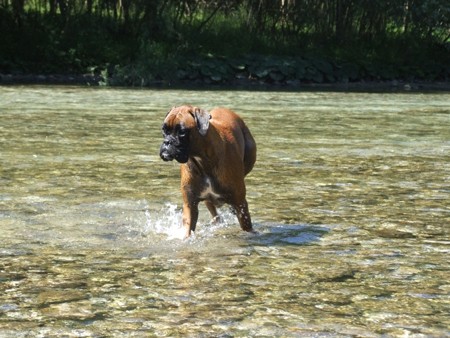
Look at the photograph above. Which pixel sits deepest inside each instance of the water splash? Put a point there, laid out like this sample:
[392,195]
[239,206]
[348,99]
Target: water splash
[168,222]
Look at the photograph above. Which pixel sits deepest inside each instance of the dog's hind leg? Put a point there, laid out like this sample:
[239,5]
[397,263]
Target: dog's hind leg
[243,215]
[213,211]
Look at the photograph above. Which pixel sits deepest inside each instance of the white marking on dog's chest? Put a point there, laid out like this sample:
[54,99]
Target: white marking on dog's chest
[208,191]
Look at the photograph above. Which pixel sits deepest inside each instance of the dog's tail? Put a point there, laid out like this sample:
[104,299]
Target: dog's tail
[249,149]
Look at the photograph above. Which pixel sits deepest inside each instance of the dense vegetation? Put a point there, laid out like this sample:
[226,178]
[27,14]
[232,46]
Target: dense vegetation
[138,42]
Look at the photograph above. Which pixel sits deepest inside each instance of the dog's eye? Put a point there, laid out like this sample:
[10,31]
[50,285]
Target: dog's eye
[181,131]
[165,129]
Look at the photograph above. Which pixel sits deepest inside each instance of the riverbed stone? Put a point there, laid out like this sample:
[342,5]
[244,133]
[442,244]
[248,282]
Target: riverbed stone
[60,296]
[81,310]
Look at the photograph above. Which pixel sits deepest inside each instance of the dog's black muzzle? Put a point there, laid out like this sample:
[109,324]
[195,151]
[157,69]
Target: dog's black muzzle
[172,149]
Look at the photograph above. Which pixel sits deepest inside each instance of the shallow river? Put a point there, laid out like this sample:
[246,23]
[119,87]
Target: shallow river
[350,196]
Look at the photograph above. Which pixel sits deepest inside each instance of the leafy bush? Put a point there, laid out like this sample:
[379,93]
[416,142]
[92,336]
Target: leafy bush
[223,42]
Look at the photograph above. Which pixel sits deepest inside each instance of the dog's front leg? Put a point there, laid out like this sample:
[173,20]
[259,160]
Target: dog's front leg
[190,217]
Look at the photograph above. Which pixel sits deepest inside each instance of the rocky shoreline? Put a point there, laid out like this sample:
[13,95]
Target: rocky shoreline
[241,83]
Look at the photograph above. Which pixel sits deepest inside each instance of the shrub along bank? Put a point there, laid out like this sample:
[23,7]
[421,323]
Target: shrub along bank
[195,42]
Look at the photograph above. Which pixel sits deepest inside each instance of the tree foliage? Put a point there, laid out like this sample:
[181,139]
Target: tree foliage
[164,38]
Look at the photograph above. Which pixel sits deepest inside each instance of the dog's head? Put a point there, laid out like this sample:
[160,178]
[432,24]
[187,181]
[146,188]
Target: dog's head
[180,126]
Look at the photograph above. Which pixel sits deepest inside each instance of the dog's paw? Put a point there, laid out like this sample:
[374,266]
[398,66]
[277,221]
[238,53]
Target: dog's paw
[216,220]
[253,232]
[189,236]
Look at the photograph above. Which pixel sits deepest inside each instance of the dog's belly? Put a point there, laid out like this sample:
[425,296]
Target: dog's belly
[209,194]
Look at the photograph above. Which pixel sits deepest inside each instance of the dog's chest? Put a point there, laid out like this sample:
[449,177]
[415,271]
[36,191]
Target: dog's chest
[208,191]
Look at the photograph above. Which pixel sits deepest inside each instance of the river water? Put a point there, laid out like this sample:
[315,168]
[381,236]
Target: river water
[350,196]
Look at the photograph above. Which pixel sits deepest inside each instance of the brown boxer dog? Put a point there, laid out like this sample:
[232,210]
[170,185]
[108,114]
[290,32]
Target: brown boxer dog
[216,152]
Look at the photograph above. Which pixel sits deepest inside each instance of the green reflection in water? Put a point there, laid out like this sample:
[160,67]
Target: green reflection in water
[350,196]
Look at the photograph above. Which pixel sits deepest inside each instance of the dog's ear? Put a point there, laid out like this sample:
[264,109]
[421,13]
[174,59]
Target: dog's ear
[202,118]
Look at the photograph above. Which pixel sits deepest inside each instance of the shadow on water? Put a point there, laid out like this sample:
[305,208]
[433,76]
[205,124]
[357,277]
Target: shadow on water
[288,234]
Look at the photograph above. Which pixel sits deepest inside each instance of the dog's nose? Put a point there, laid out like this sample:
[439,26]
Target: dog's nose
[165,157]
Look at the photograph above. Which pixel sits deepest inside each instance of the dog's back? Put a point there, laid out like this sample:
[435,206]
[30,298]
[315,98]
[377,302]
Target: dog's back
[232,123]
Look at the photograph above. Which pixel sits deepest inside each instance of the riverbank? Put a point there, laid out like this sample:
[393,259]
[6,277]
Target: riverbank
[237,84]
